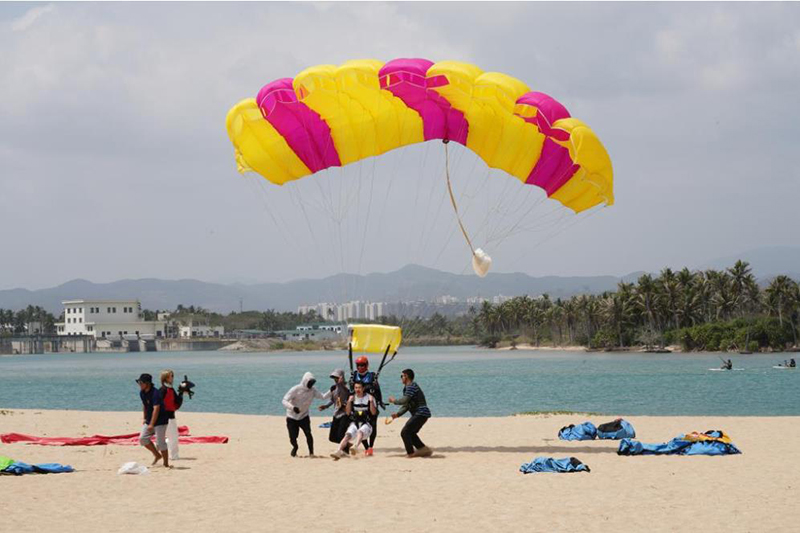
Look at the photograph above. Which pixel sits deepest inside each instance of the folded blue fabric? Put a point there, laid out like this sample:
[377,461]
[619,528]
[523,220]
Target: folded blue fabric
[615,430]
[678,446]
[18,468]
[548,464]
[585,431]
[326,425]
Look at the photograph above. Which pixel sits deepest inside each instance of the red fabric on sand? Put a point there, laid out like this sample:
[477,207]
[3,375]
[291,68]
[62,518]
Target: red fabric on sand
[130,439]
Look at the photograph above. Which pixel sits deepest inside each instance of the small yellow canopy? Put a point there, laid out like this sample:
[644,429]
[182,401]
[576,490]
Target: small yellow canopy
[373,338]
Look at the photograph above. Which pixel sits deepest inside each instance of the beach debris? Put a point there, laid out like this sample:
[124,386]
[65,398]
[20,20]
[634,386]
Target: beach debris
[17,468]
[567,465]
[712,442]
[133,468]
[615,430]
[585,431]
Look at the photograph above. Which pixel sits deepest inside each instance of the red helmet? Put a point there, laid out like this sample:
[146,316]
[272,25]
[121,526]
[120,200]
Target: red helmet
[362,361]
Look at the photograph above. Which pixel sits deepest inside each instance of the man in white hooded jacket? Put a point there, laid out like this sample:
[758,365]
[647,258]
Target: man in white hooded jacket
[297,402]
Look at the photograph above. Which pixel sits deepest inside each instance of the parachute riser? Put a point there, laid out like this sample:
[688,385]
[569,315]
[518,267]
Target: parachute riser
[383,361]
[352,372]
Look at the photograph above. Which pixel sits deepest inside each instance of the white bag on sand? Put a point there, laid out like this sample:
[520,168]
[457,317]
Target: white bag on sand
[172,439]
[133,468]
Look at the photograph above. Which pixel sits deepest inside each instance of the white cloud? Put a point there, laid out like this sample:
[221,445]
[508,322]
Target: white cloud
[670,45]
[30,17]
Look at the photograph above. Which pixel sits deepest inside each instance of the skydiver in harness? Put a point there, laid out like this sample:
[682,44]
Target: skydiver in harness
[369,380]
[362,410]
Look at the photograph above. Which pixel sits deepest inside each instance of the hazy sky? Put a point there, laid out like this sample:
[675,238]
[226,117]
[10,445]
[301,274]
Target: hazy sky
[115,163]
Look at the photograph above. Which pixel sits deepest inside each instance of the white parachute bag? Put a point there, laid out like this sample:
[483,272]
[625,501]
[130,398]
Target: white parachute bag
[481,262]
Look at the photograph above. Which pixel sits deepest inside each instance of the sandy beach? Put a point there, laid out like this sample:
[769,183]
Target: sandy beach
[471,483]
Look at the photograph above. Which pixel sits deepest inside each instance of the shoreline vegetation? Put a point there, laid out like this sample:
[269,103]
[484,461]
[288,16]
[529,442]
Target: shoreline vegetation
[684,311]
[709,311]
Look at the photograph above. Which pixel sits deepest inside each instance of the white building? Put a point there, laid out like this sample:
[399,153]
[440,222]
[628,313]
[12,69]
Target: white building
[201,331]
[337,329]
[347,311]
[373,310]
[107,319]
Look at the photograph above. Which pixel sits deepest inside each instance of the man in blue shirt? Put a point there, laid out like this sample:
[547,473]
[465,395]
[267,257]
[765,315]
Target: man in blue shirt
[155,420]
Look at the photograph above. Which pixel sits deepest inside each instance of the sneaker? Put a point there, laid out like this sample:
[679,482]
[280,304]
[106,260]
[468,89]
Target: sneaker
[353,451]
[424,452]
[368,452]
[294,452]
[338,455]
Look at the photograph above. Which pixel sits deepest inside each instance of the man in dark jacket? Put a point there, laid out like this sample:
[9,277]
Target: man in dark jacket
[155,419]
[413,401]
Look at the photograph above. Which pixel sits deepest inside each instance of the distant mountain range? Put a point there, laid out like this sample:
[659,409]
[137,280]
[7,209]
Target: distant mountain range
[410,283]
[766,262]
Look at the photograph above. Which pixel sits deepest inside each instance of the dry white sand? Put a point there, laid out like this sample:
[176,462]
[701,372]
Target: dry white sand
[471,483]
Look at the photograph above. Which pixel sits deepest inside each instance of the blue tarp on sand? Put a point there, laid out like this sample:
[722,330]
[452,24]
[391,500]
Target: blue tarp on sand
[585,431]
[548,464]
[618,429]
[18,468]
[708,443]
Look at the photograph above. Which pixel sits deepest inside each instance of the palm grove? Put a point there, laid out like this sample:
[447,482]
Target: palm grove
[704,310]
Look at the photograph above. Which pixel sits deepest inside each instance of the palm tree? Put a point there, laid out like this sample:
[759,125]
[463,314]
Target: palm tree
[616,310]
[782,297]
[534,318]
[646,295]
[671,290]
[570,316]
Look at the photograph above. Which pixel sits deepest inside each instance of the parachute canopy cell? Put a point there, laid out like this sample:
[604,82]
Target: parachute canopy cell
[331,116]
[374,338]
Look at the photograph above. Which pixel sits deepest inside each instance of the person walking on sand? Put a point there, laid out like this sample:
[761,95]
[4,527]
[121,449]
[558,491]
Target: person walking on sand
[297,403]
[413,401]
[361,408]
[155,420]
[172,402]
[338,396]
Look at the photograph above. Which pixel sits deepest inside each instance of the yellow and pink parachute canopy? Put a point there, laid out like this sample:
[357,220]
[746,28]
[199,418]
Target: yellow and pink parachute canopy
[332,116]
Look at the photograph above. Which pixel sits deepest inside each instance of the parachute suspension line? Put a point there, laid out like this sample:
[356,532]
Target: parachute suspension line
[577,219]
[281,231]
[416,199]
[452,197]
[427,228]
[469,204]
[481,262]
[369,209]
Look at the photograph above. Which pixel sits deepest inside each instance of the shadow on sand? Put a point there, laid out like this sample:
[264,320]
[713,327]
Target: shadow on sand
[512,449]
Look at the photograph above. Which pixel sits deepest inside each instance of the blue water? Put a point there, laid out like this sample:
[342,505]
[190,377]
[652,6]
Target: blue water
[458,381]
